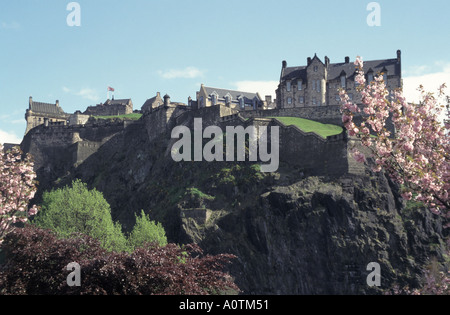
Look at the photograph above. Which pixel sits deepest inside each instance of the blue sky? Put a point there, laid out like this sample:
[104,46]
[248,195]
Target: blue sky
[141,47]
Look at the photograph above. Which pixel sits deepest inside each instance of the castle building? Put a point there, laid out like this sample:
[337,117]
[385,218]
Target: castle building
[152,103]
[318,83]
[111,108]
[242,101]
[39,113]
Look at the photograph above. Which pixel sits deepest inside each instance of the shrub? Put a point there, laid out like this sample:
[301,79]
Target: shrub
[146,231]
[78,210]
[37,260]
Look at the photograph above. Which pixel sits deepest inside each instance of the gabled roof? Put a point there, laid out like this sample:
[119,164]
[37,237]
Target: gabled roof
[46,108]
[118,102]
[234,94]
[291,73]
[152,100]
[392,66]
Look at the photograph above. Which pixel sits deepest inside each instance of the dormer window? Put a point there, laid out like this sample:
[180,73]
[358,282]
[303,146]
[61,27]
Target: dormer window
[214,99]
[241,102]
[228,99]
[370,77]
[343,81]
[288,86]
[316,68]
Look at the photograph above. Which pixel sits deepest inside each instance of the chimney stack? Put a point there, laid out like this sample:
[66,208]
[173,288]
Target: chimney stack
[284,64]
[347,59]
[308,61]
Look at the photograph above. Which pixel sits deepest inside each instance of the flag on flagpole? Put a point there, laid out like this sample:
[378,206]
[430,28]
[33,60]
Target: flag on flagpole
[110,89]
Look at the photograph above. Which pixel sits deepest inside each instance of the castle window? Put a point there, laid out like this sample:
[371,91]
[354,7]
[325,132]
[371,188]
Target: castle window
[314,101]
[301,100]
[385,77]
[370,77]
[343,82]
[214,99]
[316,68]
[318,86]
[288,86]
[228,99]
[350,96]
[241,103]
[289,100]
[299,85]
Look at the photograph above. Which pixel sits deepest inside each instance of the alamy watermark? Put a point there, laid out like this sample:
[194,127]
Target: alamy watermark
[374,17]
[74,278]
[74,17]
[374,278]
[258,143]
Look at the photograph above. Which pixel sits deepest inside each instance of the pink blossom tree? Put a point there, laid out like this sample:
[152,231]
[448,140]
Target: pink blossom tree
[17,188]
[418,155]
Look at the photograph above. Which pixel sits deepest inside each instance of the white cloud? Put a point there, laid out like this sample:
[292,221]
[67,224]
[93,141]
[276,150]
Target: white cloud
[187,73]
[86,93]
[9,137]
[89,94]
[262,87]
[431,82]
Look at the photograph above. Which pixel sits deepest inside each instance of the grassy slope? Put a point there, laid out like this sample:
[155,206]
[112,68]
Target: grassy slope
[323,130]
[124,117]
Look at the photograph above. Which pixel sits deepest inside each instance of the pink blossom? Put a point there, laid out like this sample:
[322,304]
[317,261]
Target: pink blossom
[17,188]
[418,156]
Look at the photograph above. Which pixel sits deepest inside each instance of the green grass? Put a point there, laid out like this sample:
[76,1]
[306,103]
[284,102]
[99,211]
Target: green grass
[133,116]
[323,130]
[196,192]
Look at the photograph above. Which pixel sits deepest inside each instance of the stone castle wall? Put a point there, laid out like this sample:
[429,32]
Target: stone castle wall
[314,155]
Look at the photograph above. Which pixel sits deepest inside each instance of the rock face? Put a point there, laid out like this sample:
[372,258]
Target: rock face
[314,237]
[292,235]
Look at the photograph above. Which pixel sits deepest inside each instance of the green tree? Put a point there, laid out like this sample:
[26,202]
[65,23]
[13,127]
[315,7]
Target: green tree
[146,231]
[77,209]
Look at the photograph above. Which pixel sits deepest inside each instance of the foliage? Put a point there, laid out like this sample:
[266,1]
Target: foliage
[435,282]
[146,231]
[306,125]
[37,260]
[78,210]
[133,116]
[195,192]
[418,157]
[17,188]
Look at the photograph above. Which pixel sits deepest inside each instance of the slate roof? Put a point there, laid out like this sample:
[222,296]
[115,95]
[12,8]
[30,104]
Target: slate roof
[234,94]
[118,102]
[46,108]
[335,69]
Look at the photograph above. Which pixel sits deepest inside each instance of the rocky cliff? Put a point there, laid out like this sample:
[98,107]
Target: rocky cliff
[292,234]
